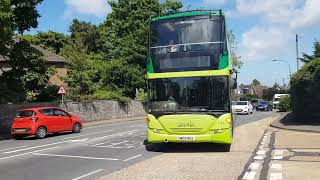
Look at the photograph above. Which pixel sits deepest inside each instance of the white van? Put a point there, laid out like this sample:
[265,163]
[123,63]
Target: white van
[276,99]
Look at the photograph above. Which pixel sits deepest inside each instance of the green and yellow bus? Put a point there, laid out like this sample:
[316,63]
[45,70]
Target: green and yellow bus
[190,79]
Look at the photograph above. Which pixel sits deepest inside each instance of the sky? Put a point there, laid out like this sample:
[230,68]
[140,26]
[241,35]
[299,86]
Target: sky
[264,29]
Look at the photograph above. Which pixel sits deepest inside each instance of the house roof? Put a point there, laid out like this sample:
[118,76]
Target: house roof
[49,56]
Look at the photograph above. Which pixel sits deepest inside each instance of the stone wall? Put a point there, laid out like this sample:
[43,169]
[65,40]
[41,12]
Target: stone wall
[89,111]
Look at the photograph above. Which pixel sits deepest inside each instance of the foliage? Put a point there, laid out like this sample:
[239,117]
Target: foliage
[28,78]
[88,34]
[269,93]
[235,59]
[108,61]
[141,95]
[305,88]
[316,53]
[249,97]
[126,28]
[255,82]
[111,95]
[53,41]
[284,104]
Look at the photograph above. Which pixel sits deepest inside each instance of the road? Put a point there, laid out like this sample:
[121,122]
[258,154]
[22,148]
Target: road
[95,152]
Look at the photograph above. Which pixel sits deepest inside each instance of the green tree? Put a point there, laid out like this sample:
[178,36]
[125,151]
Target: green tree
[235,59]
[126,28]
[255,82]
[316,53]
[28,77]
[53,41]
[88,34]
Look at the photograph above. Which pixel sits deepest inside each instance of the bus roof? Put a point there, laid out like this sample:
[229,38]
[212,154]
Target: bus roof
[190,13]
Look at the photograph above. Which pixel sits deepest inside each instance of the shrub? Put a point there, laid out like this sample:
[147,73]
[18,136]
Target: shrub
[141,95]
[284,104]
[304,91]
[111,95]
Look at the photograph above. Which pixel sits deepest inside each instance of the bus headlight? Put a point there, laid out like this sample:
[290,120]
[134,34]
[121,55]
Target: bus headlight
[228,120]
[158,131]
[218,131]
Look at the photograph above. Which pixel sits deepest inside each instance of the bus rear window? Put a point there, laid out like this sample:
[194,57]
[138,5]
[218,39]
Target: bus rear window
[23,114]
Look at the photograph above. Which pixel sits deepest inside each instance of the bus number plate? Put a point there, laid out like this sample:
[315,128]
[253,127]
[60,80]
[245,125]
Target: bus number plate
[186,138]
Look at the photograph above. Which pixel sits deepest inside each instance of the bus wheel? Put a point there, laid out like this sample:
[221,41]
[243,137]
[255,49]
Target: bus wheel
[226,147]
[154,147]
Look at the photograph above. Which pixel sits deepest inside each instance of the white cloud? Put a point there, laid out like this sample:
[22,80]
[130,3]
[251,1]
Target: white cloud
[264,7]
[99,8]
[308,16]
[214,2]
[264,43]
[278,21]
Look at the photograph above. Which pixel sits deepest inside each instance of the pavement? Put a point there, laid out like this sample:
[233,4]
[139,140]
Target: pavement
[108,149]
[289,121]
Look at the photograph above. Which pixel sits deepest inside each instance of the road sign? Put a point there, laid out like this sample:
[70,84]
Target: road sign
[61,90]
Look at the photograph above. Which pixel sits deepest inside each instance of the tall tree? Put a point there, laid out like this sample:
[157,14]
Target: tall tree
[126,28]
[28,76]
[51,40]
[235,59]
[316,53]
[255,82]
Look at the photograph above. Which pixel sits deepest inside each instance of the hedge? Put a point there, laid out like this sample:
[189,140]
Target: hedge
[305,91]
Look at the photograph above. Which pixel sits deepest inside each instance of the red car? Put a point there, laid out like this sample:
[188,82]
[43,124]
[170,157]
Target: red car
[42,121]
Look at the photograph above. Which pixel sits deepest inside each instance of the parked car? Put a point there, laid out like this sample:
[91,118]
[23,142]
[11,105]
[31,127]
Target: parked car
[243,107]
[264,106]
[41,121]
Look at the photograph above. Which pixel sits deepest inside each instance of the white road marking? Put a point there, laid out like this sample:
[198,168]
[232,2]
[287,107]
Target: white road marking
[34,147]
[278,152]
[261,152]
[254,166]
[113,145]
[258,157]
[275,176]
[133,157]
[78,140]
[12,148]
[79,157]
[111,135]
[87,134]
[88,174]
[113,124]
[101,143]
[249,175]
[277,157]
[142,125]
[117,134]
[276,166]
[28,153]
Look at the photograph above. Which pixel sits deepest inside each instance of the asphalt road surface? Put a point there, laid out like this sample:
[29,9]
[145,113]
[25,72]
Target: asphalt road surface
[93,153]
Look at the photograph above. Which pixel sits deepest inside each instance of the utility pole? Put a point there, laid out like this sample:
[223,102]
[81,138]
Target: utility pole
[297,50]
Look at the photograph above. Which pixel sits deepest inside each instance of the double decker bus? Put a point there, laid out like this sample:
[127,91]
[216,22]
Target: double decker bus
[190,79]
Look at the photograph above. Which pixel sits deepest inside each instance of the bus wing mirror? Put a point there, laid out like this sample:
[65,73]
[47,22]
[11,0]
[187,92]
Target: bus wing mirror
[234,79]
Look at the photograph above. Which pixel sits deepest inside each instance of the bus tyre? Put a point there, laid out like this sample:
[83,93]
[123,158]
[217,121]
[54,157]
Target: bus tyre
[154,147]
[226,147]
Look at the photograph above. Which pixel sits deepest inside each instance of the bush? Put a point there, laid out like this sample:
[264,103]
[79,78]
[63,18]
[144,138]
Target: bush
[284,104]
[141,95]
[111,95]
[304,91]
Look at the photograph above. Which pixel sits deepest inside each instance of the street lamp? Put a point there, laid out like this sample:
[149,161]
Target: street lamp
[285,62]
